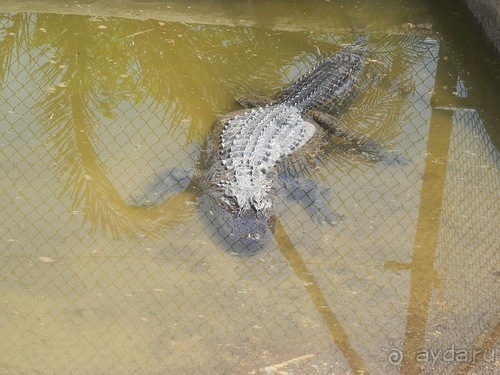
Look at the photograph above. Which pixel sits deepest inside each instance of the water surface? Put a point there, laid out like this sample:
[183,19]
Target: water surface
[103,273]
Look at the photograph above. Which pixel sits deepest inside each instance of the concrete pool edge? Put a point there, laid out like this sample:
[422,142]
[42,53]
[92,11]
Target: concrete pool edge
[214,13]
[485,12]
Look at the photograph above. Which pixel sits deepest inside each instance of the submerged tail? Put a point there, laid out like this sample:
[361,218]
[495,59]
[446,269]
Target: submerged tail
[328,84]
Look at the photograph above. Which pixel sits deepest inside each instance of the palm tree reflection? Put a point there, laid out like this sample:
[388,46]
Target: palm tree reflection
[87,71]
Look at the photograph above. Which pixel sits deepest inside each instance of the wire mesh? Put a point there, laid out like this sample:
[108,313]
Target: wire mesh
[111,265]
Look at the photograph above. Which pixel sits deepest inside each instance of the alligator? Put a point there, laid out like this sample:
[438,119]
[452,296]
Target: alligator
[248,145]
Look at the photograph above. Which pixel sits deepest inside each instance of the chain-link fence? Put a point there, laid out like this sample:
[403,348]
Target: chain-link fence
[111,264]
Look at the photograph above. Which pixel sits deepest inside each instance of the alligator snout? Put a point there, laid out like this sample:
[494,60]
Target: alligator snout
[251,225]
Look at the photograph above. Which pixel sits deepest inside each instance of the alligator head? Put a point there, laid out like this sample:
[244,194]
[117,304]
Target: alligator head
[241,221]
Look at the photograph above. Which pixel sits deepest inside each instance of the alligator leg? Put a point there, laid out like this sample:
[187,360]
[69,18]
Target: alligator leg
[364,145]
[333,126]
[313,197]
[164,184]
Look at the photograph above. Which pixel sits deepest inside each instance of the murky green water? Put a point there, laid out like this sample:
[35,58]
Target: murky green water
[95,108]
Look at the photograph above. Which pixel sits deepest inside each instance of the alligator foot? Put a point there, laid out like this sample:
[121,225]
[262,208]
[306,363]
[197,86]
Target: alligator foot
[372,150]
[313,197]
[392,157]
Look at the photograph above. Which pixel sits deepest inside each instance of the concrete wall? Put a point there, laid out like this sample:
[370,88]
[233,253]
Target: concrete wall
[487,12]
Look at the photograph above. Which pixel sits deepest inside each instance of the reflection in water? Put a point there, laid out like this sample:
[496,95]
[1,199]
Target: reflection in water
[334,327]
[107,120]
[87,74]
